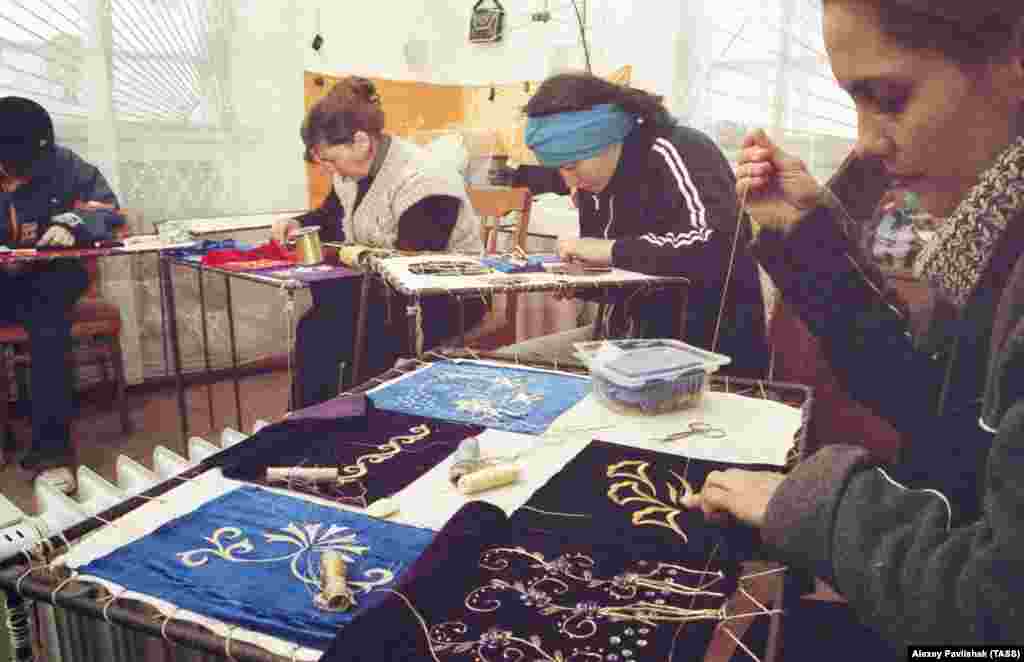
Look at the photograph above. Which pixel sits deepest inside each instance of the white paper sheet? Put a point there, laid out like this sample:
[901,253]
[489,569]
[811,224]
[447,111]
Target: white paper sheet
[757,431]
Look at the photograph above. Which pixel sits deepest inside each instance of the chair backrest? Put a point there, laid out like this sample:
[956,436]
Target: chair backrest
[493,203]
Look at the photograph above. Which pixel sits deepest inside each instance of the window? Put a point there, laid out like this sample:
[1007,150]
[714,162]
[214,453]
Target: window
[766,67]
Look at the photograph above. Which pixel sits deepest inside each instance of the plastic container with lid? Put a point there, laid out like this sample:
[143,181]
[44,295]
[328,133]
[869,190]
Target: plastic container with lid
[649,376]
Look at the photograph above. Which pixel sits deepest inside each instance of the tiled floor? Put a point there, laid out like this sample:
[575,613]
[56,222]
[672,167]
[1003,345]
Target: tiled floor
[99,439]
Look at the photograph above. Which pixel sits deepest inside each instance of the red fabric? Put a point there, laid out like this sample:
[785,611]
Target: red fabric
[92,204]
[270,254]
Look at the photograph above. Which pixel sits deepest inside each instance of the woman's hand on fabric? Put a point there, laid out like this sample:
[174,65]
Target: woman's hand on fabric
[588,250]
[283,228]
[735,493]
[777,185]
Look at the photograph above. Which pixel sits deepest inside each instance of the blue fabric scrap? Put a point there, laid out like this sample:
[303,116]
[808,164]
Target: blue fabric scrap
[532,264]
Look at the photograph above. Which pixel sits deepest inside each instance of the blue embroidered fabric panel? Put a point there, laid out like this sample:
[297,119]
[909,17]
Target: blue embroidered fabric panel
[499,397]
[251,558]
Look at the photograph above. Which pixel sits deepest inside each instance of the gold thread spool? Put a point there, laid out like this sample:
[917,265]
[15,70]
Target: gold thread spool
[350,255]
[308,246]
[464,468]
[307,474]
[490,477]
[335,595]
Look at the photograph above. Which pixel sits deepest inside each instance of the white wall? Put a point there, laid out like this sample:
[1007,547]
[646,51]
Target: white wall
[267,94]
[370,37]
[272,43]
[621,34]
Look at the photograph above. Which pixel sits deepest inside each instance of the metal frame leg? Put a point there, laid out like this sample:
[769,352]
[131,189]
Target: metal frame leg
[206,345]
[234,354]
[774,643]
[167,282]
[293,395]
[412,311]
[164,335]
[359,346]
[462,321]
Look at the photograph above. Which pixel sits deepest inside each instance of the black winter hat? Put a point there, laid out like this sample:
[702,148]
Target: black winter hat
[26,133]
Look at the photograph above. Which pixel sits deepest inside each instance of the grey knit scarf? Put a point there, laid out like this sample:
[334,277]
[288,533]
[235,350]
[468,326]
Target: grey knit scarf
[955,259]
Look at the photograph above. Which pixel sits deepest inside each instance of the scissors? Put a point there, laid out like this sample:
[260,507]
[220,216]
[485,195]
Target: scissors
[699,428]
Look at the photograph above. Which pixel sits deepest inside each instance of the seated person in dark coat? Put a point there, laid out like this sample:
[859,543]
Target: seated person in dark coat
[50,198]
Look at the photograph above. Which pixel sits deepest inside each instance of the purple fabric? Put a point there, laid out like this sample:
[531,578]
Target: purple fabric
[378,453]
[347,406]
[626,492]
[488,591]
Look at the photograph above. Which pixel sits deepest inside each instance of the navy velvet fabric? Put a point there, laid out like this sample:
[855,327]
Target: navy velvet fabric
[486,590]
[378,452]
[613,492]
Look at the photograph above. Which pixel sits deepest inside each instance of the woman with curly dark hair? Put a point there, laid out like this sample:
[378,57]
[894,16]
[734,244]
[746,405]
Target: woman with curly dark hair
[654,197]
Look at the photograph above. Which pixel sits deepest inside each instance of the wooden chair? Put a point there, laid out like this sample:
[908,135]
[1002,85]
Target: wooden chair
[92,319]
[492,204]
[498,327]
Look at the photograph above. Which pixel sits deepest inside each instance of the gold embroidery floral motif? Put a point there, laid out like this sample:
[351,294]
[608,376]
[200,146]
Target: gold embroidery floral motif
[353,472]
[498,644]
[231,544]
[639,488]
[515,405]
[549,581]
[579,621]
[477,407]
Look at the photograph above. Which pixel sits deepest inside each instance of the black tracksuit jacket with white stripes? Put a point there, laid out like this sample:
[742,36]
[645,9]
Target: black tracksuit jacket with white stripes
[671,208]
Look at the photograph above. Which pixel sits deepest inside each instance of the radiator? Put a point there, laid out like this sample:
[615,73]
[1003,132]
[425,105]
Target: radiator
[38,632]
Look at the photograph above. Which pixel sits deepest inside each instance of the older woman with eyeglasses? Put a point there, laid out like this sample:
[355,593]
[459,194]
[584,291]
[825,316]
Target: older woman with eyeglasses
[931,550]
[386,193]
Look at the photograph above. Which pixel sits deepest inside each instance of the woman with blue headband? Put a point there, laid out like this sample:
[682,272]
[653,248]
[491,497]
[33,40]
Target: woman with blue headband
[653,197]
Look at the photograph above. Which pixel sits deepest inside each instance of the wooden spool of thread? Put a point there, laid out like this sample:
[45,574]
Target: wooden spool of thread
[335,595]
[493,476]
[302,474]
[308,247]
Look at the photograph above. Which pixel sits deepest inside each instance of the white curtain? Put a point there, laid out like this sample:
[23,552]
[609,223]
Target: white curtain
[187,116]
